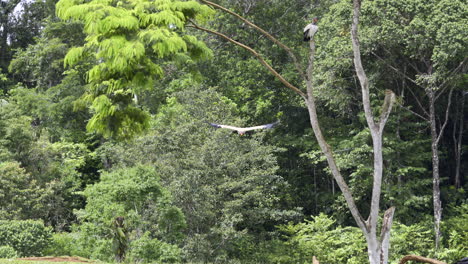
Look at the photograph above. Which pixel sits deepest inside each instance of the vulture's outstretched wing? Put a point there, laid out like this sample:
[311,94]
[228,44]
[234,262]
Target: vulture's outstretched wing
[267,126]
[242,130]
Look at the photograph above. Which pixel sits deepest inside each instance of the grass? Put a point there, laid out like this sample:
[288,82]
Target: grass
[12,261]
[18,261]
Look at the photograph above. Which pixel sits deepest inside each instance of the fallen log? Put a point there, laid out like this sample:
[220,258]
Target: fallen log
[420,259]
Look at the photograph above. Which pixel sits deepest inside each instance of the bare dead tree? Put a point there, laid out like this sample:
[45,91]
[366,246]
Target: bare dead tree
[377,247]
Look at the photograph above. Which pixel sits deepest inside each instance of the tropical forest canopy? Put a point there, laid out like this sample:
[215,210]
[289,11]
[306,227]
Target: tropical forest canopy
[106,151]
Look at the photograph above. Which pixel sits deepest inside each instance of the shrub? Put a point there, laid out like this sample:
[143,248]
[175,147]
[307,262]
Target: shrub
[64,244]
[148,250]
[7,252]
[28,238]
[323,238]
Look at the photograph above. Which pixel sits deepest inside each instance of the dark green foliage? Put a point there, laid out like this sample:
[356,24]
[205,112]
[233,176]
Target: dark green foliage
[149,250]
[20,195]
[225,184]
[207,195]
[63,244]
[28,238]
[322,238]
[134,194]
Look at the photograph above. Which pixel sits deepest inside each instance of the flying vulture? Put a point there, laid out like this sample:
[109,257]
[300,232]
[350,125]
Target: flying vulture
[241,130]
[310,30]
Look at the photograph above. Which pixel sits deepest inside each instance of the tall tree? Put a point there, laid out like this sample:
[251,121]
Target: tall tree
[6,13]
[432,62]
[128,42]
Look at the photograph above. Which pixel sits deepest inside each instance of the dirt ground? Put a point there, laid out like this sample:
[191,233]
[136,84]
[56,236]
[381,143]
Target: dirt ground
[58,259]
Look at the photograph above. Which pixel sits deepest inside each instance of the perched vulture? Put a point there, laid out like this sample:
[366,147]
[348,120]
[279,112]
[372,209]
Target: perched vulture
[241,130]
[310,30]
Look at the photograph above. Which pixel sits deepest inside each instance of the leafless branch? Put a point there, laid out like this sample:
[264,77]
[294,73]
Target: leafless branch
[414,113]
[358,65]
[418,102]
[326,149]
[448,78]
[297,63]
[447,111]
[396,70]
[414,67]
[257,55]
[386,108]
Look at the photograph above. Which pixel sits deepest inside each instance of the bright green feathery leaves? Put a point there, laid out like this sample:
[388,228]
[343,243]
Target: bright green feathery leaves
[127,39]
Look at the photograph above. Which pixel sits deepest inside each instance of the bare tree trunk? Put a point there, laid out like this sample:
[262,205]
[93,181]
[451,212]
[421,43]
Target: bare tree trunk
[435,168]
[6,9]
[377,248]
[435,138]
[458,144]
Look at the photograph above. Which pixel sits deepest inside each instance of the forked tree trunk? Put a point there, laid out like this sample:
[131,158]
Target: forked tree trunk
[435,168]
[377,247]
[435,138]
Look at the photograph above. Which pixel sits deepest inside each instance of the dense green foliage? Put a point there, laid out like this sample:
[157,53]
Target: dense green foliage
[104,107]
[129,41]
[27,238]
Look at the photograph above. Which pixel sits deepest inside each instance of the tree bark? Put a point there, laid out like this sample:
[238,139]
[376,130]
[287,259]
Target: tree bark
[377,249]
[6,8]
[435,138]
[458,144]
[326,149]
[435,168]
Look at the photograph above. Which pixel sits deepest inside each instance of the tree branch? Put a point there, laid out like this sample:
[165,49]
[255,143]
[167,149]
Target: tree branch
[386,108]
[449,103]
[291,54]
[396,70]
[419,103]
[385,233]
[448,78]
[414,113]
[326,149]
[358,65]
[257,55]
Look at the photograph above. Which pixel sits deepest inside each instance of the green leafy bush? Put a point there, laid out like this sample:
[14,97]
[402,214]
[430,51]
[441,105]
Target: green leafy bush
[136,195]
[28,238]
[148,250]
[455,229]
[7,252]
[65,244]
[330,243]
[416,239]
